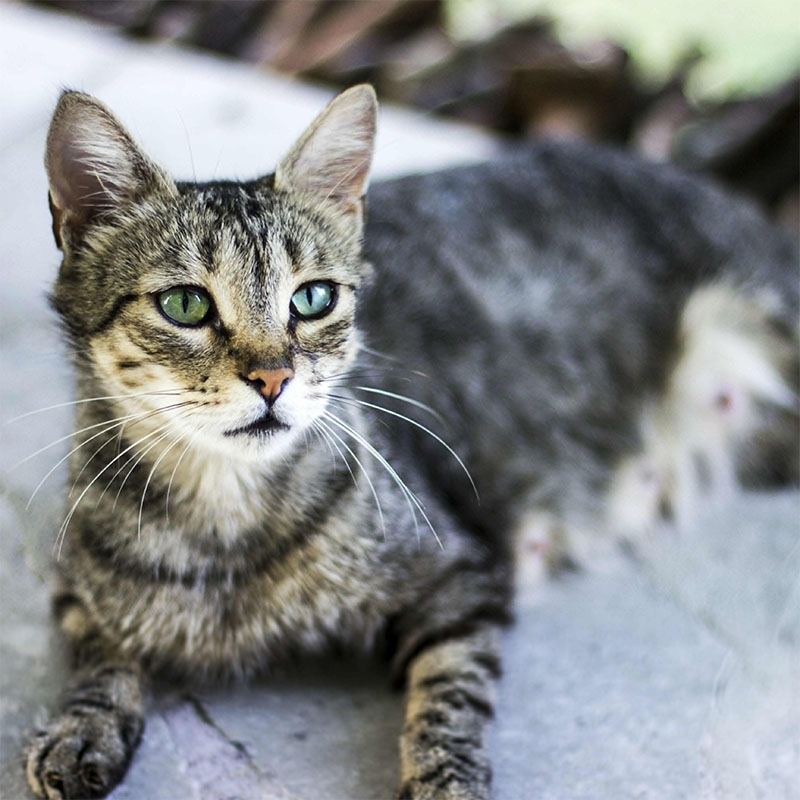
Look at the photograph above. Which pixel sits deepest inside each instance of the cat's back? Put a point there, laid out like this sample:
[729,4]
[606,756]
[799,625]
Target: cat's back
[556,243]
[542,294]
[580,210]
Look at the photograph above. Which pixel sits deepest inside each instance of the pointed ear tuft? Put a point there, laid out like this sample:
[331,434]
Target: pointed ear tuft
[332,159]
[93,165]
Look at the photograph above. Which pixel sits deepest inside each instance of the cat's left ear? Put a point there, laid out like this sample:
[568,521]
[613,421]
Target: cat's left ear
[95,169]
[332,159]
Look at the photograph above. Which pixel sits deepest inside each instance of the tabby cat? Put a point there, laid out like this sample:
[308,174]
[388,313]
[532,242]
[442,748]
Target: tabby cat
[564,340]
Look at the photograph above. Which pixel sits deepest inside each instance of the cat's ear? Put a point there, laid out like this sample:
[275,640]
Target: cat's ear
[94,167]
[332,159]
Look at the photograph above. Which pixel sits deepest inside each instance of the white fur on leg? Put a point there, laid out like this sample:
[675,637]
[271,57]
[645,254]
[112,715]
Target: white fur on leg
[730,366]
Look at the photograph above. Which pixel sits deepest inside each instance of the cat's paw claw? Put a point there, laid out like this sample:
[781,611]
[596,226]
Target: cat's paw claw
[81,756]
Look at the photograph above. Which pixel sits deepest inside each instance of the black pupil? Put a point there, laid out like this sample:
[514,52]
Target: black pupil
[309,296]
[185,302]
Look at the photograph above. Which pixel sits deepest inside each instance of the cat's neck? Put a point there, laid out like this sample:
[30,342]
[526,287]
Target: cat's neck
[181,483]
[227,496]
[217,493]
[211,492]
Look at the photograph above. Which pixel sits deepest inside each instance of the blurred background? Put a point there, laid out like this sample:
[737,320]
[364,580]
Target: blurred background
[709,84]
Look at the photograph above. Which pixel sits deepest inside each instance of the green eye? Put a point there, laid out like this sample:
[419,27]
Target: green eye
[184,305]
[313,300]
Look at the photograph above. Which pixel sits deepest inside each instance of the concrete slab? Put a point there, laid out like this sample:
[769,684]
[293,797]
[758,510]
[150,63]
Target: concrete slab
[674,676]
[737,573]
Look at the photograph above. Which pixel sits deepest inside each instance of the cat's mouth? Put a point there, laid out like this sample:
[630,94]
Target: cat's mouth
[263,426]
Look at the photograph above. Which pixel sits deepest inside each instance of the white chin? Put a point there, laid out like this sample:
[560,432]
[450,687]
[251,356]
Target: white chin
[259,447]
[265,447]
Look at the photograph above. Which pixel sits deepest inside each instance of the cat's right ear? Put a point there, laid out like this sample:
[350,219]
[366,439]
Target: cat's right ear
[94,167]
[331,160]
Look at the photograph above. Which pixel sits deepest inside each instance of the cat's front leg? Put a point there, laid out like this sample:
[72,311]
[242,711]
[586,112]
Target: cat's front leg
[450,702]
[85,750]
[448,654]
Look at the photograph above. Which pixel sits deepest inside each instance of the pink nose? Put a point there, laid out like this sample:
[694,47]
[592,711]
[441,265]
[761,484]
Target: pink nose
[270,382]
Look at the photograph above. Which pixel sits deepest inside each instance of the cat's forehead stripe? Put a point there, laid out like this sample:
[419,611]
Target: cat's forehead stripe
[207,247]
[303,253]
[252,238]
[265,235]
[292,247]
[279,257]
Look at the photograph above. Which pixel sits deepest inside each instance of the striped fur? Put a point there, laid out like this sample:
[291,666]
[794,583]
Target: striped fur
[450,702]
[193,549]
[87,749]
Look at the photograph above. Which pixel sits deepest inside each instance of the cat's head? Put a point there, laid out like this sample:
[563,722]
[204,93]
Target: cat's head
[224,310]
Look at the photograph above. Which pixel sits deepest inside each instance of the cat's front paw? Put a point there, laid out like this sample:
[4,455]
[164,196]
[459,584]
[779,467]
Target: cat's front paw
[83,754]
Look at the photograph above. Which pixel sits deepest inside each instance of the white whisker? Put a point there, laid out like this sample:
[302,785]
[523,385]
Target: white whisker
[363,472]
[106,423]
[120,421]
[128,461]
[91,400]
[62,460]
[133,467]
[172,477]
[410,496]
[62,532]
[402,398]
[377,353]
[137,458]
[325,438]
[416,425]
[147,483]
[89,460]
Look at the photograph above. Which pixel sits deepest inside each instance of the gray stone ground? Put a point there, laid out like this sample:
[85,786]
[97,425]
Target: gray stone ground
[673,676]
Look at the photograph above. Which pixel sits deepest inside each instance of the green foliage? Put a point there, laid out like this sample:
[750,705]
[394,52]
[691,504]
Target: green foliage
[748,46]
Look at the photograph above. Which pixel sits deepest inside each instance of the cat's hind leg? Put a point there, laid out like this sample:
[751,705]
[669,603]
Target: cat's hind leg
[86,749]
[728,415]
